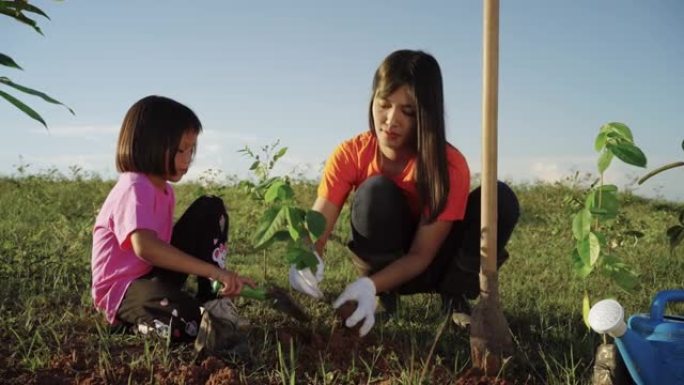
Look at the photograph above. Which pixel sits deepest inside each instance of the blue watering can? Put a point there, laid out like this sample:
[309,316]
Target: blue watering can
[651,345]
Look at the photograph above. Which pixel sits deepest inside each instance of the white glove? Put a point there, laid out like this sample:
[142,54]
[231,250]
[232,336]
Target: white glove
[363,292]
[304,281]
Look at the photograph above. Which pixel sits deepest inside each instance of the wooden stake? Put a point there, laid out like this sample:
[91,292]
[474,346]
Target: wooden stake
[490,339]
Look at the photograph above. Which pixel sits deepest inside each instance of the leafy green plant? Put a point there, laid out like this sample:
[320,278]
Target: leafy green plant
[20,10]
[675,233]
[283,219]
[594,249]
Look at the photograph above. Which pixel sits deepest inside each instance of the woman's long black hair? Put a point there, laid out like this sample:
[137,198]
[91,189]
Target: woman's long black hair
[421,72]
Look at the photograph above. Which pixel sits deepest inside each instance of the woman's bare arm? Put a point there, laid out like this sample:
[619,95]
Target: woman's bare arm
[426,243]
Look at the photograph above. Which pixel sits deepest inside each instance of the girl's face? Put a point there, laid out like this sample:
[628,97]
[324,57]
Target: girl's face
[394,117]
[183,157]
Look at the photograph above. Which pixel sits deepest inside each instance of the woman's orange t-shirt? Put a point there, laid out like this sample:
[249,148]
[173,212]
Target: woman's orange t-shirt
[355,160]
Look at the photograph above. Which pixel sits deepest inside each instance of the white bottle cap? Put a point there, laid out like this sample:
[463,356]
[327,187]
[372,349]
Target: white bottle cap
[607,316]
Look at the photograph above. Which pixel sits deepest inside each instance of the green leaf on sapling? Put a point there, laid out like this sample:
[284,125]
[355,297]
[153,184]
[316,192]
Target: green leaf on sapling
[618,130]
[579,266]
[620,273]
[315,223]
[279,154]
[605,204]
[628,153]
[600,141]
[581,224]
[604,161]
[271,222]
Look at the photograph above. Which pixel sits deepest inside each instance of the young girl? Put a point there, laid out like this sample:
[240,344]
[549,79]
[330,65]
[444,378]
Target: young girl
[415,226]
[137,273]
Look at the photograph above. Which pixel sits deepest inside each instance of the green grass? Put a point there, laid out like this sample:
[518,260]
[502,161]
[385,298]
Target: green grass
[49,331]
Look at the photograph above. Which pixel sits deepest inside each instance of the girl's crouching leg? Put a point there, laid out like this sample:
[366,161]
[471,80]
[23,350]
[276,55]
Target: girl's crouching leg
[159,309]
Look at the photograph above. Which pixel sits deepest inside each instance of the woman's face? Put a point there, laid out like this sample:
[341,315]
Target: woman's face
[394,117]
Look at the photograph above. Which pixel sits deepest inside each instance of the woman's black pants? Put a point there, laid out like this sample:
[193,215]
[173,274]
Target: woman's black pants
[383,228]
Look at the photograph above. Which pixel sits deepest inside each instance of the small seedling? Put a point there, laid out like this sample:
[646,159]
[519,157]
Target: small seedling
[283,219]
[593,250]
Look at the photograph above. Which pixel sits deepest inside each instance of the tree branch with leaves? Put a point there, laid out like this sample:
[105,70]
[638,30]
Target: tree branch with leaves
[22,11]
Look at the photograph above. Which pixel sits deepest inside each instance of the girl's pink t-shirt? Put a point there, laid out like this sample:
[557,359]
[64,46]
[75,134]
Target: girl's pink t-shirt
[134,203]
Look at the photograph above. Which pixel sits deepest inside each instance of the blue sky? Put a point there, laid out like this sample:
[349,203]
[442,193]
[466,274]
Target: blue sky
[301,72]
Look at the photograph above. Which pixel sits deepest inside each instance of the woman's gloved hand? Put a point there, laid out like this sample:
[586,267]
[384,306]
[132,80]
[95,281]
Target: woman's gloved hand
[305,281]
[363,292]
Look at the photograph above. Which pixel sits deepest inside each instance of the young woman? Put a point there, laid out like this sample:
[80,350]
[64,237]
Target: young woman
[415,227]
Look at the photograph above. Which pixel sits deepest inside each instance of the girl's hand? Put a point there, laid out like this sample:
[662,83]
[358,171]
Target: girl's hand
[232,283]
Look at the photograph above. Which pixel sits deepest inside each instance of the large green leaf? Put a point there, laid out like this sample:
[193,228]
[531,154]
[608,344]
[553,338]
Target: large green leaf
[604,161]
[279,190]
[308,259]
[617,130]
[292,255]
[600,141]
[301,257]
[279,236]
[23,107]
[578,264]
[273,191]
[315,223]
[8,62]
[594,248]
[589,249]
[605,203]
[285,193]
[271,222]
[25,6]
[627,153]
[33,92]
[295,221]
[620,273]
[20,17]
[581,224]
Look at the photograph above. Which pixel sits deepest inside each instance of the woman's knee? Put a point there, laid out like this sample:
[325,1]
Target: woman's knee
[377,196]
[508,208]
[381,219]
[508,211]
[378,203]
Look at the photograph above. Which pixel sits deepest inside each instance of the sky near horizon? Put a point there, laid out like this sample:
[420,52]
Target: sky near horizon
[300,72]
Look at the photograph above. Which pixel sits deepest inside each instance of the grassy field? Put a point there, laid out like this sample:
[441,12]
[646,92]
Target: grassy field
[49,332]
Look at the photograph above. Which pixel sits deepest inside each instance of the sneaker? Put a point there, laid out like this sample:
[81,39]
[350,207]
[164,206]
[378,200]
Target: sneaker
[220,334]
[224,308]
